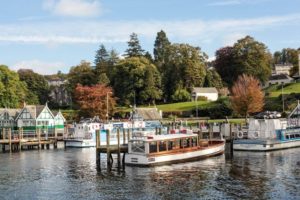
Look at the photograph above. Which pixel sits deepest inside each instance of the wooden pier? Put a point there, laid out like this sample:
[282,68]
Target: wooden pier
[112,149]
[17,140]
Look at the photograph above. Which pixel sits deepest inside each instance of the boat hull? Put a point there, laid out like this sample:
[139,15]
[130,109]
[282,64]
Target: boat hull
[146,161]
[84,143]
[264,145]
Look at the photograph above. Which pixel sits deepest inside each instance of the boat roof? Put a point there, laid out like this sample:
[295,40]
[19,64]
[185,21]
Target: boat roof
[152,138]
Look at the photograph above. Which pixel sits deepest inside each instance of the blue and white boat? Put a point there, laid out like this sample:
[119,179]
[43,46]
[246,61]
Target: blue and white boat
[271,134]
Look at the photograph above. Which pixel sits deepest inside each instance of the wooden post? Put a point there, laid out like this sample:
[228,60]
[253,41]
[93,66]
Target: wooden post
[155,130]
[98,158]
[97,138]
[128,135]
[39,137]
[108,150]
[124,138]
[20,139]
[210,132]
[159,130]
[55,133]
[231,140]
[119,152]
[9,135]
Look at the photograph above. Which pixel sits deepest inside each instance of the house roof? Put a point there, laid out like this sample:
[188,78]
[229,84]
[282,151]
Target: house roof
[12,112]
[205,90]
[148,113]
[279,77]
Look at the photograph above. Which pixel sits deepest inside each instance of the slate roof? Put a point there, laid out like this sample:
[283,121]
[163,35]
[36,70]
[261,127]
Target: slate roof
[12,112]
[205,90]
[279,77]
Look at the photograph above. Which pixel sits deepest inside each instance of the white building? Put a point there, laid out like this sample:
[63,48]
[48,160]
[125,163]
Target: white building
[280,79]
[211,93]
[282,69]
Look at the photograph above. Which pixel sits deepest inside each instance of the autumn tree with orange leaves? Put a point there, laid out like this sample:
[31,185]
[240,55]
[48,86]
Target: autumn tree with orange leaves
[247,96]
[93,100]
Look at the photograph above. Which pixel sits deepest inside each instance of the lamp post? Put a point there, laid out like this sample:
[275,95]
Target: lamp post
[107,105]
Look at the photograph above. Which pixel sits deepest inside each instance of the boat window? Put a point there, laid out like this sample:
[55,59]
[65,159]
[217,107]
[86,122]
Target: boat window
[194,141]
[138,147]
[171,145]
[152,147]
[287,137]
[162,145]
[184,142]
[292,136]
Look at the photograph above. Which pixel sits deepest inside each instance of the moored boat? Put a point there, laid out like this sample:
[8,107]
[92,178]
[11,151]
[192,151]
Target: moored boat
[271,134]
[149,150]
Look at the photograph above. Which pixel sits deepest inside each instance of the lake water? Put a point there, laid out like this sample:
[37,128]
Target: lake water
[71,174]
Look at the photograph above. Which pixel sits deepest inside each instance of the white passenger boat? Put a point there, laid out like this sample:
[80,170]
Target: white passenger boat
[84,134]
[150,149]
[270,134]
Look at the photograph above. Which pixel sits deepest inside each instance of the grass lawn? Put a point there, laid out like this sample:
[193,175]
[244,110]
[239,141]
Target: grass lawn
[184,106]
[275,90]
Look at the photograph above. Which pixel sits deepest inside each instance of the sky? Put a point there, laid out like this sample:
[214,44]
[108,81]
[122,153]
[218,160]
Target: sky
[52,35]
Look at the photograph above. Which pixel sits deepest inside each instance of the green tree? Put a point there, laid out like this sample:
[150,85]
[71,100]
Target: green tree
[12,91]
[37,86]
[101,55]
[247,56]
[184,68]
[102,65]
[213,79]
[161,49]
[82,74]
[134,47]
[136,77]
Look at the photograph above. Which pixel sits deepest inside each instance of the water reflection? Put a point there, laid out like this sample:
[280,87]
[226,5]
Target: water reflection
[72,174]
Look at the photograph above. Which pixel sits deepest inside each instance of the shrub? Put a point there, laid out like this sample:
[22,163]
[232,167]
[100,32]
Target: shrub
[181,95]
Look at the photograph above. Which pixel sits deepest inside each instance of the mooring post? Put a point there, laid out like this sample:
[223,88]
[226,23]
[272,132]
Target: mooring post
[20,139]
[119,152]
[128,135]
[231,140]
[9,135]
[124,138]
[98,158]
[39,137]
[108,150]
[210,132]
[55,133]
[159,130]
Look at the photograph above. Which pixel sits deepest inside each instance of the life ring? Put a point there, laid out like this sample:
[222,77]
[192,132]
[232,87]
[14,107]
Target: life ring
[240,134]
[256,134]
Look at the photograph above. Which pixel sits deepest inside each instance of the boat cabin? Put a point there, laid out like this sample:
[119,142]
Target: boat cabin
[161,144]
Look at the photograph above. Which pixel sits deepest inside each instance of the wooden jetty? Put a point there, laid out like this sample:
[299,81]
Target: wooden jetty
[112,149]
[17,140]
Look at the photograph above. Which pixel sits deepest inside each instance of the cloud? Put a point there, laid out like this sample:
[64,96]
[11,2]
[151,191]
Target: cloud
[73,8]
[231,38]
[236,2]
[40,67]
[95,32]
[225,3]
